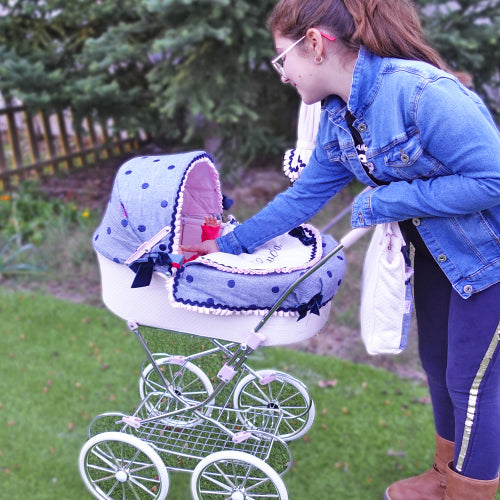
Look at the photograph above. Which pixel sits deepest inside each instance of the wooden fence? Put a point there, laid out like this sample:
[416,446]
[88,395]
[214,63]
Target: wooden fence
[37,145]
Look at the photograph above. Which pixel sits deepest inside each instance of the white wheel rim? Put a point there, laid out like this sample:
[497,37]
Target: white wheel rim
[114,466]
[195,390]
[234,475]
[292,401]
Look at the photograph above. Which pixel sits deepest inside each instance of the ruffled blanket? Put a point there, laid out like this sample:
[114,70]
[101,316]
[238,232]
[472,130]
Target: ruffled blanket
[208,289]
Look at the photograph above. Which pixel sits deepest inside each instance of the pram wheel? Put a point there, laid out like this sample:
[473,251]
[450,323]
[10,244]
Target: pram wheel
[115,466]
[276,390]
[235,475]
[186,380]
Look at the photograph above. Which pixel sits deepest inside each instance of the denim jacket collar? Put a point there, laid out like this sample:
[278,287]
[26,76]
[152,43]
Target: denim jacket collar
[365,82]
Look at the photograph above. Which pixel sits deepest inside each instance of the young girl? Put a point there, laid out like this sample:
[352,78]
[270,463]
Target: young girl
[396,120]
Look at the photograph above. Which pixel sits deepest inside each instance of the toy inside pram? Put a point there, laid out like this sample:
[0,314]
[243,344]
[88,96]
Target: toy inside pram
[228,429]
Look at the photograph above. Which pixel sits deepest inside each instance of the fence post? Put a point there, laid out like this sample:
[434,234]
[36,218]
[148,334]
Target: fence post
[13,135]
[28,151]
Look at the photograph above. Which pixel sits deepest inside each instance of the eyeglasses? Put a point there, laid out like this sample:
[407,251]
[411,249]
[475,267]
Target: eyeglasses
[278,61]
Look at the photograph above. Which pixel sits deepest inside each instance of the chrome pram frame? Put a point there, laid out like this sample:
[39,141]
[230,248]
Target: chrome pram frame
[232,438]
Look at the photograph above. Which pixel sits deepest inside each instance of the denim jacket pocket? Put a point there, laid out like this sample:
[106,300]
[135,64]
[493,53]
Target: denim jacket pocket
[408,160]
[333,151]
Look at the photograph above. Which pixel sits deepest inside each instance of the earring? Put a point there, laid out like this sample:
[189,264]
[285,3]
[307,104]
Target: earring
[318,60]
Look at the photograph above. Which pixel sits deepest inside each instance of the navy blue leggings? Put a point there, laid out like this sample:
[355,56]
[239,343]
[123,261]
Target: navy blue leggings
[459,350]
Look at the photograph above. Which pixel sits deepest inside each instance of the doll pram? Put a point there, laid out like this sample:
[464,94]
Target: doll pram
[175,193]
[232,432]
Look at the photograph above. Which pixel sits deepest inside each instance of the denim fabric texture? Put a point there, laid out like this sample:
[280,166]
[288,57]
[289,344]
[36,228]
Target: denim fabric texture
[436,144]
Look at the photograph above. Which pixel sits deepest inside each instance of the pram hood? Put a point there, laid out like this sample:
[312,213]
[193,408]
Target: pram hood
[155,192]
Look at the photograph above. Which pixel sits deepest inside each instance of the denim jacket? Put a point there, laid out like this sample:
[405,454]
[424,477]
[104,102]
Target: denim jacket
[436,145]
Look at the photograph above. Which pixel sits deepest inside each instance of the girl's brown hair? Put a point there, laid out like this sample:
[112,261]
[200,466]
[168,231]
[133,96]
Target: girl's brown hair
[388,28]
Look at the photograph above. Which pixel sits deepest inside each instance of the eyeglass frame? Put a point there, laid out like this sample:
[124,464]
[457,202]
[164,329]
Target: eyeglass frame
[279,67]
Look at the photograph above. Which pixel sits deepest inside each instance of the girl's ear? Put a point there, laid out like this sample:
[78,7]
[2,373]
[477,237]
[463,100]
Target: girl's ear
[316,42]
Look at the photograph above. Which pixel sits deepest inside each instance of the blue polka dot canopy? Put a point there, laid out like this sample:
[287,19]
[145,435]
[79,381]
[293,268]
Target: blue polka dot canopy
[151,193]
[159,203]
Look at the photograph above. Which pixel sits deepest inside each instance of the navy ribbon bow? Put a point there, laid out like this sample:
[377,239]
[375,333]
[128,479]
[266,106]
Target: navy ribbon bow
[312,306]
[301,234]
[143,269]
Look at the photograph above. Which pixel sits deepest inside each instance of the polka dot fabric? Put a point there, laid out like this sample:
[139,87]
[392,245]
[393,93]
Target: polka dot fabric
[209,290]
[149,193]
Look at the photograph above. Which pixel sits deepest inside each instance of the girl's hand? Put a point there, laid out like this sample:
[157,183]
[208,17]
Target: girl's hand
[208,246]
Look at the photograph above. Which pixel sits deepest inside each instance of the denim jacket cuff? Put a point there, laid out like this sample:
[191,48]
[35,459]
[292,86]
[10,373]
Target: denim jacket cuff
[229,244]
[361,211]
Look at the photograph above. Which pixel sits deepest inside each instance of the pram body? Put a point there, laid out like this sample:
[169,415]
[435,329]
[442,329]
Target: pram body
[228,430]
[150,306]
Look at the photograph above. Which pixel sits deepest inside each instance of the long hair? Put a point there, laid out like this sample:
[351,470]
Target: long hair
[388,28]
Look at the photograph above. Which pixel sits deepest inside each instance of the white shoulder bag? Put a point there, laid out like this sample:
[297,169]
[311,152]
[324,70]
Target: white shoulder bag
[386,292]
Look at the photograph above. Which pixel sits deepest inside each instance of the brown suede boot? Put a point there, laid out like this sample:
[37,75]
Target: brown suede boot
[459,487]
[430,485]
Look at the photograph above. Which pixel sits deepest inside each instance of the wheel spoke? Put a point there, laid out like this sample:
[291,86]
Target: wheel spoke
[208,477]
[102,469]
[118,466]
[287,423]
[262,495]
[255,398]
[284,393]
[96,451]
[132,460]
[226,477]
[143,466]
[294,395]
[282,388]
[102,479]
[187,386]
[258,480]
[249,477]
[190,394]
[113,488]
[132,489]
[172,375]
[249,468]
[219,493]
[146,479]
[155,386]
[287,414]
[133,481]
[267,397]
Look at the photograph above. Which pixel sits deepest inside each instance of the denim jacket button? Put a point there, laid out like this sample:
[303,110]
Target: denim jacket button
[416,221]
[442,258]
[362,127]
[405,158]
[468,289]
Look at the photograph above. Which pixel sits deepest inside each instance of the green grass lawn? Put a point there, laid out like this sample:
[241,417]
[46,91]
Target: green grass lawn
[65,363]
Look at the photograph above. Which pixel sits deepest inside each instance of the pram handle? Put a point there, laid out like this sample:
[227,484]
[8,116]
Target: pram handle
[353,236]
[345,242]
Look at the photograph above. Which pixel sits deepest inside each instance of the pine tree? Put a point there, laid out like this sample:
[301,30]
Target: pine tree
[190,70]
[467,35]
[182,70]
